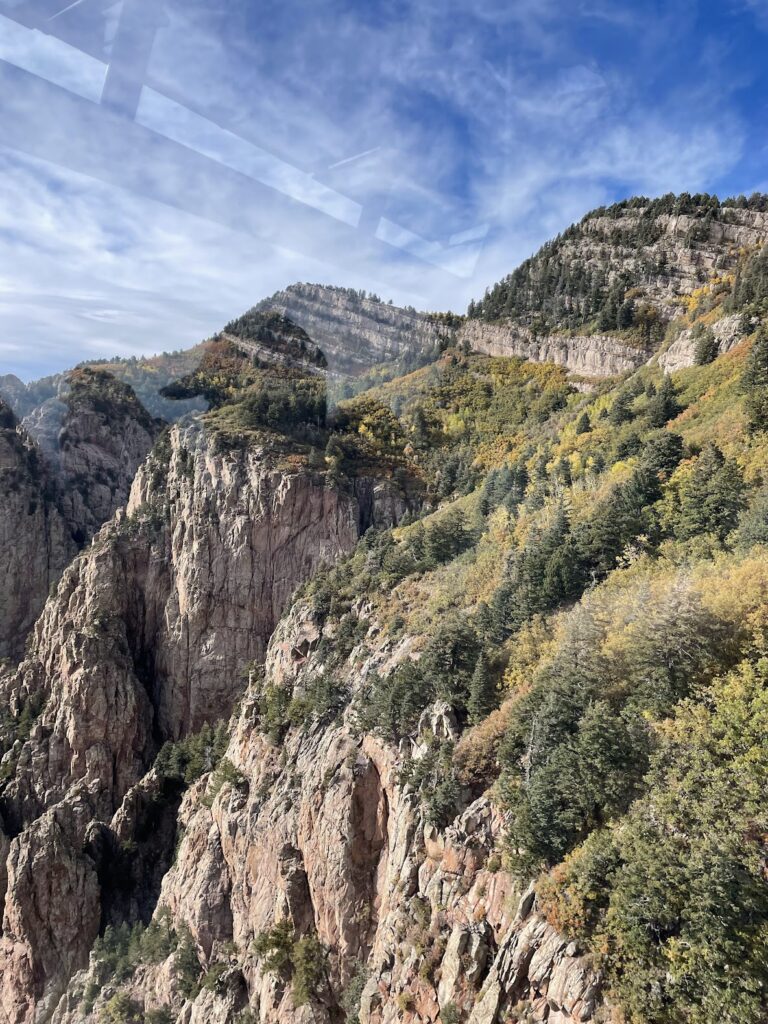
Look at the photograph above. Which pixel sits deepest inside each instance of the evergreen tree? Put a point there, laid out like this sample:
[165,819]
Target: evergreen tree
[754,382]
[187,964]
[583,425]
[707,349]
[662,453]
[621,410]
[664,405]
[446,538]
[713,497]
[450,657]
[626,315]
[482,691]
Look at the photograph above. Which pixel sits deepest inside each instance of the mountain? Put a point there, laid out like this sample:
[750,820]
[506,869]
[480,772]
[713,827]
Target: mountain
[443,701]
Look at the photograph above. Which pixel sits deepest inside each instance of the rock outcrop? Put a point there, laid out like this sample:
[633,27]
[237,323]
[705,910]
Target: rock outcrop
[356,331]
[147,638]
[682,352]
[66,468]
[35,543]
[598,355]
[319,831]
[94,434]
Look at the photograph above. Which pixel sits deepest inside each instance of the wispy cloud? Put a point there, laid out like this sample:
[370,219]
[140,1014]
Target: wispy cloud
[419,148]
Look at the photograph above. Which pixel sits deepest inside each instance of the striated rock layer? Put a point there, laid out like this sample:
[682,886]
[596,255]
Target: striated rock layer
[355,331]
[598,355]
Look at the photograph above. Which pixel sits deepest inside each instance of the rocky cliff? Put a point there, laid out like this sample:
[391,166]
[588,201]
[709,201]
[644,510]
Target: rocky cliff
[94,436]
[357,331]
[147,639]
[320,832]
[596,355]
[68,466]
[430,785]
[601,297]
[35,543]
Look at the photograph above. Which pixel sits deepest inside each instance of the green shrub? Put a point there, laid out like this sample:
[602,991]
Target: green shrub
[350,998]
[309,968]
[160,1015]
[303,960]
[121,1009]
[187,964]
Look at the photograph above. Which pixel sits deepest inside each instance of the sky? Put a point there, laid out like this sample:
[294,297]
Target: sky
[165,164]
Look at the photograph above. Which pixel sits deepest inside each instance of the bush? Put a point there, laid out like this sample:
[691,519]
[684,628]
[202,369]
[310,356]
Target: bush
[309,968]
[121,1009]
[303,959]
[352,994]
[187,964]
[160,1015]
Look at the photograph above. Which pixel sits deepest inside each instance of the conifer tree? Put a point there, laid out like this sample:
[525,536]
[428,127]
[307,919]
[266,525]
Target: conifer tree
[583,425]
[713,498]
[707,349]
[754,382]
[482,691]
[664,406]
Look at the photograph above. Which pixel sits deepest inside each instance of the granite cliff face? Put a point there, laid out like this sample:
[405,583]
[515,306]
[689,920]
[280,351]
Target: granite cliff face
[35,543]
[147,638]
[68,466]
[320,832]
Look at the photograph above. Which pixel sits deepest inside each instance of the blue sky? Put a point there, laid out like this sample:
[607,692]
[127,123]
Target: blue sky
[164,165]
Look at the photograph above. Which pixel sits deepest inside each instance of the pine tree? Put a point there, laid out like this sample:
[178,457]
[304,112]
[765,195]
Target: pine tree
[707,348]
[626,315]
[482,691]
[621,410]
[754,382]
[713,498]
[664,406]
[583,425]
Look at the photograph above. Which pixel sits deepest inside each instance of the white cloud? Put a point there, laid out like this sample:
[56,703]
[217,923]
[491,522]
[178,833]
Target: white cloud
[420,156]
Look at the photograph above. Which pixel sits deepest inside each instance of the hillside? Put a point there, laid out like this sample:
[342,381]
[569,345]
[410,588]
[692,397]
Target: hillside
[441,702]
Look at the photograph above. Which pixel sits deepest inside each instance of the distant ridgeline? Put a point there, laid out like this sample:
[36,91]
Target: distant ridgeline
[622,267]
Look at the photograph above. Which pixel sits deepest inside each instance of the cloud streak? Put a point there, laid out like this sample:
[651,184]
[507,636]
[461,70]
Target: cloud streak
[418,149]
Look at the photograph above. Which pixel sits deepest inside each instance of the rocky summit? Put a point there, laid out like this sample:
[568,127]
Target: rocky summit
[368,665]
